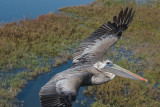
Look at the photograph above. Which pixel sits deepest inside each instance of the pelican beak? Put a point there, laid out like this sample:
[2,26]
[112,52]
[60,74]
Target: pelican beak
[119,71]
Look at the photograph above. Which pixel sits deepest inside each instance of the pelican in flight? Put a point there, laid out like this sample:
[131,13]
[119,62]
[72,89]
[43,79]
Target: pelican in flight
[88,68]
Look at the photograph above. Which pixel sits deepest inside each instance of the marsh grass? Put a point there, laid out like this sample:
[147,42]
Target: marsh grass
[61,59]
[23,43]
[142,38]
[29,44]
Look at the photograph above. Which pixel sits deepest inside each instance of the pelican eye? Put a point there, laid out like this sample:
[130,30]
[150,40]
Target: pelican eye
[109,63]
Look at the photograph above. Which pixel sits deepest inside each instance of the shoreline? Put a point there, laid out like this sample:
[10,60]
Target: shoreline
[46,37]
[30,57]
[21,10]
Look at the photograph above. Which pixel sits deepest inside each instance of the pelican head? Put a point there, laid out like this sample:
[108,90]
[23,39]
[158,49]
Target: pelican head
[110,70]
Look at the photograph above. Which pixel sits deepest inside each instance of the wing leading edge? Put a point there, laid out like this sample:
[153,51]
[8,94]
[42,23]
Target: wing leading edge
[95,46]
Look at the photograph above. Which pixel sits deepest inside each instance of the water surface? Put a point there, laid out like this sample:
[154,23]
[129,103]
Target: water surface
[29,95]
[13,10]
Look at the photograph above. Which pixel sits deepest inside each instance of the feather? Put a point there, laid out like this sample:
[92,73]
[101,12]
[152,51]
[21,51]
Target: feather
[62,89]
[105,35]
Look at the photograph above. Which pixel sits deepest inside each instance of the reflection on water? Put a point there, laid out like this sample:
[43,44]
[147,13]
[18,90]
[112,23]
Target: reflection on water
[13,10]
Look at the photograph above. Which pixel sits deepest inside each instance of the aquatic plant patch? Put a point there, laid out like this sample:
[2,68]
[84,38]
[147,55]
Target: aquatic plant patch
[24,43]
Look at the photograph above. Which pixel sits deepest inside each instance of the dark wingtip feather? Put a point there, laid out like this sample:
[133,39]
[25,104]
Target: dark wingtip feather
[120,17]
[118,25]
[124,19]
[125,12]
[115,19]
[130,11]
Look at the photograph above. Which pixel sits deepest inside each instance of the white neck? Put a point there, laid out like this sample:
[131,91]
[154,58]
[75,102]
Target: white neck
[99,65]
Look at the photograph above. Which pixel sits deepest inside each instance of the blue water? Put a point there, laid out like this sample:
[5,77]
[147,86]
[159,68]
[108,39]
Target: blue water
[13,10]
[30,93]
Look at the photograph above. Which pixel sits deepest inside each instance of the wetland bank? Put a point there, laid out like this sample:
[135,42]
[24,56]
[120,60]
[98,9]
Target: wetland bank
[29,45]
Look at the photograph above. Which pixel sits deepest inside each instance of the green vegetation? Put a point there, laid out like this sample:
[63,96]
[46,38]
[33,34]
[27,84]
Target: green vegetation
[30,44]
[142,38]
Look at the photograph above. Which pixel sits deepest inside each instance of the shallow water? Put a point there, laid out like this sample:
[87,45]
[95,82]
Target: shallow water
[30,93]
[31,10]
[13,10]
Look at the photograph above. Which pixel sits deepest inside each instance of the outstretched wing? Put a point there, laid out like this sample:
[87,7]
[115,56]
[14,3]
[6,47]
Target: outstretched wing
[95,46]
[59,93]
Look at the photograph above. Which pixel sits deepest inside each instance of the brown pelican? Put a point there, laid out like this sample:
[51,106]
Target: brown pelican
[87,68]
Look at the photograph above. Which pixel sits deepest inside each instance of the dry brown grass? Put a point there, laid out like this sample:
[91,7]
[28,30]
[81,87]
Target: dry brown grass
[142,38]
[21,43]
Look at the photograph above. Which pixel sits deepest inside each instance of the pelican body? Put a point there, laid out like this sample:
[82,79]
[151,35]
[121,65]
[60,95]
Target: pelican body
[88,68]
